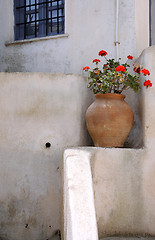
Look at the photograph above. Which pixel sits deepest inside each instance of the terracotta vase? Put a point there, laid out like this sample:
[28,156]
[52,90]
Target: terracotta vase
[109,120]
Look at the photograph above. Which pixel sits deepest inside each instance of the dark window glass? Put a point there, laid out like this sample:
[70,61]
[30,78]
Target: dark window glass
[38,18]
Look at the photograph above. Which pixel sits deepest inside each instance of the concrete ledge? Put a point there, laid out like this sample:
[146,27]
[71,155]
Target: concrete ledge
[106,182]
[79,208]
[36,39]
[107,186]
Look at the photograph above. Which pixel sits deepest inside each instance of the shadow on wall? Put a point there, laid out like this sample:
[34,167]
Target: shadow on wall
[135,138]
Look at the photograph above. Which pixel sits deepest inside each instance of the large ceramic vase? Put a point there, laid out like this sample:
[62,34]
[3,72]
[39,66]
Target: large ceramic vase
[109,120]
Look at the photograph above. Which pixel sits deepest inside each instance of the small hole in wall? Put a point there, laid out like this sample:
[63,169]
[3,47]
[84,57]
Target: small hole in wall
[26,225]
[48,145]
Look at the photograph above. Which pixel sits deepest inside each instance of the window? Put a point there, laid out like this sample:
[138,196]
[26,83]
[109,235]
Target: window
[38,18]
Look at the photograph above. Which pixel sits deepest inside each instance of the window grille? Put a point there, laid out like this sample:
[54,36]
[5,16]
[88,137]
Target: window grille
[38,18]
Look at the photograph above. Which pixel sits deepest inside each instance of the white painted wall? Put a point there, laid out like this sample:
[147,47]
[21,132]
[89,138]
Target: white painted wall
[123,179]
[118,192]
[90,26]
[35,109]
[142,25]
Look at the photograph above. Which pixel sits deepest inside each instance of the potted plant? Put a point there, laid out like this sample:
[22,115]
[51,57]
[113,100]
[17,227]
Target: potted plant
[109,118]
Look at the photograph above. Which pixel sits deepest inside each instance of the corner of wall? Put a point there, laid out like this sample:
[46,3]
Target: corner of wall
[141,25]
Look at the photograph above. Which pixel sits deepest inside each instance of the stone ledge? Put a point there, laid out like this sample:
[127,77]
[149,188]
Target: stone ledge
[36,39]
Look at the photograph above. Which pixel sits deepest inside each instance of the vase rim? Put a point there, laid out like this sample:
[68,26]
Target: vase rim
[110,95]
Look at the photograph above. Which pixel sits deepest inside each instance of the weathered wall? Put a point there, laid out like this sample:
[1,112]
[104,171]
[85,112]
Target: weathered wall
[35,109]
[117,176]
[123,179]
[90,26]
[141,25]
[118,188]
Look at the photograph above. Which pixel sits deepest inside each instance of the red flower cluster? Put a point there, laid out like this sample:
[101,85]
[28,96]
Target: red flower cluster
[120,68]
[147,83]
[86,68]
[130,57]
[145,71]
[117,75]
[102,53]
[96,60]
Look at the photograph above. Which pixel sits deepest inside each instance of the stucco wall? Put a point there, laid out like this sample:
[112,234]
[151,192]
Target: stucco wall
[90,26]
[118,189]
[35,109]
[123,179]
[123,192]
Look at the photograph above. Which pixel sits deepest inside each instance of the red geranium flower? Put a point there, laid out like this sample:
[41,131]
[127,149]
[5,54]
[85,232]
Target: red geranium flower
[147,83]
[120,68]
[130,57]
[86,68]
[102,53]
[145,71]
[137,70]
[96,60]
